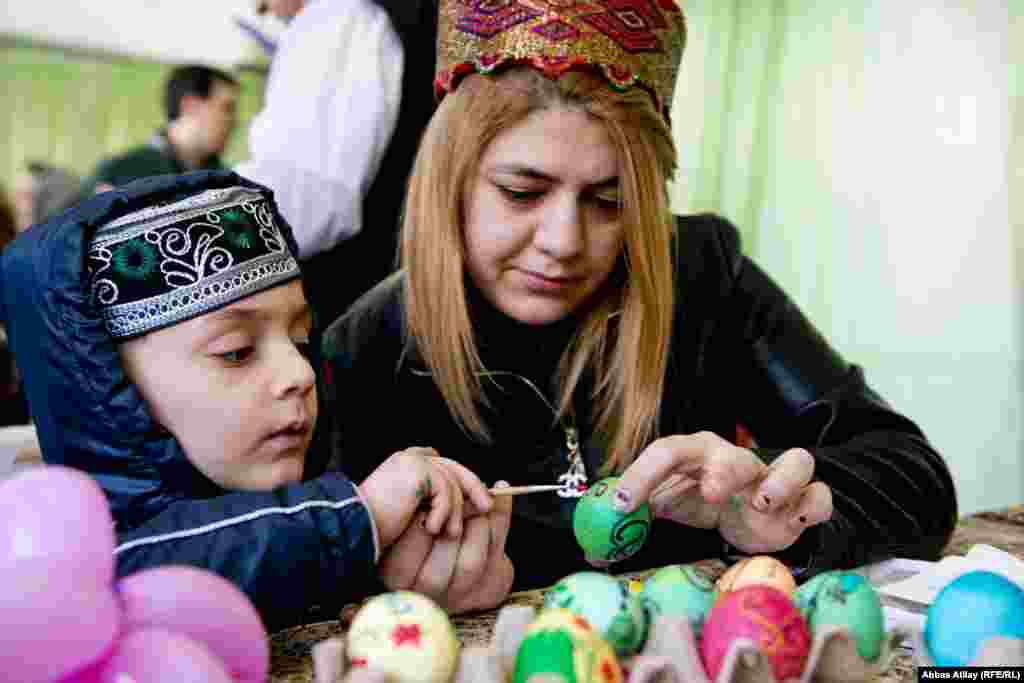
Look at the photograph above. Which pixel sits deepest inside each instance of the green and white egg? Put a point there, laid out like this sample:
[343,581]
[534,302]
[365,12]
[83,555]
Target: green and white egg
[846,599]
[560,645]
[607,604]
[679,590]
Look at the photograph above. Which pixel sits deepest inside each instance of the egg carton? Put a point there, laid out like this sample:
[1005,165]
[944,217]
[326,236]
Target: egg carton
[670,655]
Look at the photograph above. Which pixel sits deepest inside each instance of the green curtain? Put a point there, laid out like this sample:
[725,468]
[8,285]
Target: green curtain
[74,108]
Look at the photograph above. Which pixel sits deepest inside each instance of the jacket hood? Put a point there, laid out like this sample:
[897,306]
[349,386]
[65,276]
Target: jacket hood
[87,413]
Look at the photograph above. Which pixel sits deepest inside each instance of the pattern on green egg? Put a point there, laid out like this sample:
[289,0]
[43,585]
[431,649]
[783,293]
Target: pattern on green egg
[551,652]
[679,590]
[840,598]
[607,605]
[603,532]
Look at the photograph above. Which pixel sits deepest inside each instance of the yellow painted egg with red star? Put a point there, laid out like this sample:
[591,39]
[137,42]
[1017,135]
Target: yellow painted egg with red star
[405,635]
[560,645]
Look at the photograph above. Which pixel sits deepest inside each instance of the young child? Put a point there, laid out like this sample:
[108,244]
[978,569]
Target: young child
[168,350]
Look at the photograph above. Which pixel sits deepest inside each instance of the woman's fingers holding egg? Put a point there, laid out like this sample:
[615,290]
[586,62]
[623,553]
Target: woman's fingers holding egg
[784,481]
[728,469]
[653,466]
[813,506]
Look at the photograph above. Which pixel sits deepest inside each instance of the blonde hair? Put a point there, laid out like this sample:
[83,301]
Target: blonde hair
[625,338]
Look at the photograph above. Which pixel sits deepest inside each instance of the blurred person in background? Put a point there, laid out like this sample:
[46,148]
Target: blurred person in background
[201,106]
[13,408]
[42,190]
[348,97]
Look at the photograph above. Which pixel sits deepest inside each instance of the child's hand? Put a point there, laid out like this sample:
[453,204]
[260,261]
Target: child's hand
[417,479]
[460,574]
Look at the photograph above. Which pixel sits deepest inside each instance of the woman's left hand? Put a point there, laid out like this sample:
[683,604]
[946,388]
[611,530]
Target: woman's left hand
[704,481]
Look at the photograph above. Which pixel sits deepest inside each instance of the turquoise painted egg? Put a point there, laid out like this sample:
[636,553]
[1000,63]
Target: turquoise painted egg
[848,600]
[804,596]
[969,610]
[604,533]
[607,604]
[560,645]
[680,590]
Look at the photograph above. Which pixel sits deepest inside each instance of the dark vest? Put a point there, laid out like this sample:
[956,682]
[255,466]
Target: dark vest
[334,279]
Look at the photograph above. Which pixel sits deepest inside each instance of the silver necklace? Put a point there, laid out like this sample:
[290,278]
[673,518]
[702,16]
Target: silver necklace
[574,480]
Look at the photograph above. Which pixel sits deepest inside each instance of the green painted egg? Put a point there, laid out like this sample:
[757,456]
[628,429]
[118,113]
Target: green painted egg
[846,599]
[806,594]
[680,590]
[608,606]
[604,533]
[562,645]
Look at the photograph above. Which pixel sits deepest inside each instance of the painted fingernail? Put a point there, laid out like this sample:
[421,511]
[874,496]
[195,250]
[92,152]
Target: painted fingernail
[620,501]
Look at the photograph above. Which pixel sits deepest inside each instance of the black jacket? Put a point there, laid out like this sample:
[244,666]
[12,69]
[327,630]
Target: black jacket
[302,545]
[742,353]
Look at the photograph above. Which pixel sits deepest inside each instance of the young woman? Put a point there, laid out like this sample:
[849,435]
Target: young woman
[553,322]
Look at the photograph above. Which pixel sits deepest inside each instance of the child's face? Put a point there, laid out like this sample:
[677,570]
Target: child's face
[234,387]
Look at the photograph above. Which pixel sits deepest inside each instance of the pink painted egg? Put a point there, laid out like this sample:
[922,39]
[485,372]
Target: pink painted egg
[764,615]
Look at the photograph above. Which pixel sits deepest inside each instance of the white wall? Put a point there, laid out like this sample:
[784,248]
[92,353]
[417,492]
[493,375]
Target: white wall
[885,211]
[165,30]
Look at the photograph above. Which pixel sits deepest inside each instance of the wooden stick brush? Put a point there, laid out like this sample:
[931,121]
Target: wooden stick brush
[520,490]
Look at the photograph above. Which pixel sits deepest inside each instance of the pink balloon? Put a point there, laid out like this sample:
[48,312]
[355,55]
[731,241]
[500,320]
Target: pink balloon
[204,607]
[59,515]
[58,612]
[159,656]
[51,627]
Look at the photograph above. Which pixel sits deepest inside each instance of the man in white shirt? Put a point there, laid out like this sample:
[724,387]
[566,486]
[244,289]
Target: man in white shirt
[345,105]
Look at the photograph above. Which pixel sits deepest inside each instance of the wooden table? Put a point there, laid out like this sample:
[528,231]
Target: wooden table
[290,649]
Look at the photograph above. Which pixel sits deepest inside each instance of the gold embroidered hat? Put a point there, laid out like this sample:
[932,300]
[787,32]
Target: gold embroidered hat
[632,42]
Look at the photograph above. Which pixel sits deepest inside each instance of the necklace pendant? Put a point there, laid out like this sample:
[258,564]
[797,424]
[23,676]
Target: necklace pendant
[574,481]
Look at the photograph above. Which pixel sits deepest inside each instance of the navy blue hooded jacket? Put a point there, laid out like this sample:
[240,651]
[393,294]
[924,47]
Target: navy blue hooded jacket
[301,546]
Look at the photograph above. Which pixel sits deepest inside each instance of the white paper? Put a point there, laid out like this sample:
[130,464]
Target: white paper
[921,587]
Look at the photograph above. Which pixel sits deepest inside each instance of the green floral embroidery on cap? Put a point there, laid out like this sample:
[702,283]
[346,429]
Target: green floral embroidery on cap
[135,260]
[238,228]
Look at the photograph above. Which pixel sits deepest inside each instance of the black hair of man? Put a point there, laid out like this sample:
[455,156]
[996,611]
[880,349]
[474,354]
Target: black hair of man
[192,79]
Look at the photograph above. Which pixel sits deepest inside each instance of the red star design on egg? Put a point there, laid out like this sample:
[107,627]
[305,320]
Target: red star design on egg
[607,672]
[582,623]
[357,662]
[406,634]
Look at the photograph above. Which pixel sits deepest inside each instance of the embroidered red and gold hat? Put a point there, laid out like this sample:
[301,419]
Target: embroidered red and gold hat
[632,42]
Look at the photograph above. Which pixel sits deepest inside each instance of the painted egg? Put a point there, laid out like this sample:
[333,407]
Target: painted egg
[604,533]
[406,635]
[608,606]
[760,570]
[969,610]
[680,590]
[560,644]
[845,599]
[764,615]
